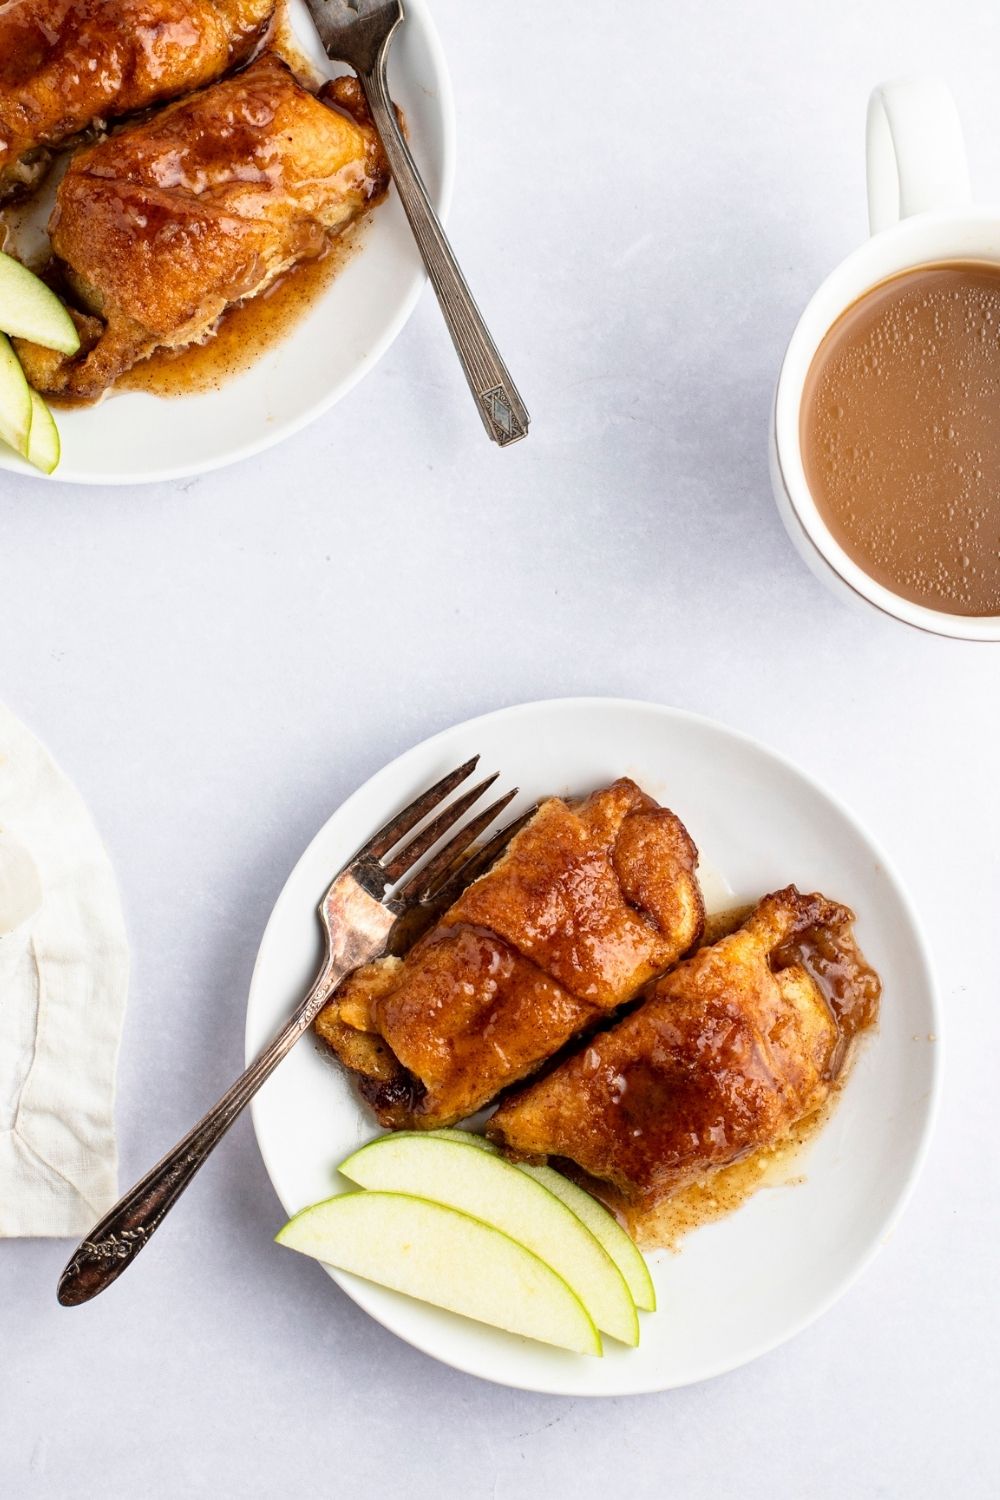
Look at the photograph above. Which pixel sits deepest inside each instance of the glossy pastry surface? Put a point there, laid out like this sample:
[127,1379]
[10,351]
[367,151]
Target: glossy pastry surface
[163,225]
[68,64]
[725,1054]
[589,900]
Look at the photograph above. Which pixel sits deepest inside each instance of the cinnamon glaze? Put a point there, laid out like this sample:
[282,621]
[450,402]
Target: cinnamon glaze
[677,1111]
[244,332]
[715,1195]
[852,990]
[66,66]
[847,982]
[590,900]
[662,1226]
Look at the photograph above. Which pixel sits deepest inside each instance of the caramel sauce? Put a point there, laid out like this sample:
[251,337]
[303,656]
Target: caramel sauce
[718,1194]
[245,331]
[849,985]
[65,65]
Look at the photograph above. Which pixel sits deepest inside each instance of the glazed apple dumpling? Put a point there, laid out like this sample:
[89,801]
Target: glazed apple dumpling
[591,899]
[726,1054]
[163,225]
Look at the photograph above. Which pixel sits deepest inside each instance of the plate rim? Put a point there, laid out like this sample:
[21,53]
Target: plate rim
[354,1287]
[11,462]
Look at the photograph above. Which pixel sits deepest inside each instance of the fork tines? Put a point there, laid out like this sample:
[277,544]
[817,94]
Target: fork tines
[437,871]
[442,865]
[400,825]
[443,880]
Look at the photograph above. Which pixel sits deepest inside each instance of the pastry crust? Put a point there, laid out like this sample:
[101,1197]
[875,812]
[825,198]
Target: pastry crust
[590,899]
[67,65]
[727,1053]
[163,225]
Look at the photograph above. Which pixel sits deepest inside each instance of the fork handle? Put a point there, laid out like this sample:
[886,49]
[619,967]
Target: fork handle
[504,414]
[113,1243]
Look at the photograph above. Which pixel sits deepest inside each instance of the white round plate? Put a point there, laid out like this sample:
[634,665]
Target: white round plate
[740,1286]
[133,437]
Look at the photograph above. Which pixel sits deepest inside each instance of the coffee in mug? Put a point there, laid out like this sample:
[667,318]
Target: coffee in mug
[900,435]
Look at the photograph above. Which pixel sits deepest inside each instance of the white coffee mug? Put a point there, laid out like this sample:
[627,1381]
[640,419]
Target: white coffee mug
[919,212]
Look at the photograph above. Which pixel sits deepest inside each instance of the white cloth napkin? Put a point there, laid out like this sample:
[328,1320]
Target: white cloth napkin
[63,982]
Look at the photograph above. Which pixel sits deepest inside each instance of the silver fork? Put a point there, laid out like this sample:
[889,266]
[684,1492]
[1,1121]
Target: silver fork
[358,32]
[360,920]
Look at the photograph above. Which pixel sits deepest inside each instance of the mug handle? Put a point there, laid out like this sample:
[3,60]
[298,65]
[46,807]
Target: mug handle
[916,154]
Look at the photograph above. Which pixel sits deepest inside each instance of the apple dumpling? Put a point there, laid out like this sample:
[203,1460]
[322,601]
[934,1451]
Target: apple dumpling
[67,65]
[726,1054]
[591,900]
[163,225]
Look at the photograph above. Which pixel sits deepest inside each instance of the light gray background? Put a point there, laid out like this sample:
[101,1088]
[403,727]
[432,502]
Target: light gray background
[647,194]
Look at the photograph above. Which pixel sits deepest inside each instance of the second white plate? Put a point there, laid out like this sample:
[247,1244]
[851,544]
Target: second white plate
[740,1286]
[134,437]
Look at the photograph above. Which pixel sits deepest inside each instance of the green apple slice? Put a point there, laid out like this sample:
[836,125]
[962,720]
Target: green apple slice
[31,310]
[466,1137]
[445,1257]
[491,1189]
[606,1230]
[15,400]
[603,1225]
[43,440]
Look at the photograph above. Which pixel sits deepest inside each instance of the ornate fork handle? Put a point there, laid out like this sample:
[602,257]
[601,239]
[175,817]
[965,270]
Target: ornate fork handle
[114,1243]
[504,414]
[425,864]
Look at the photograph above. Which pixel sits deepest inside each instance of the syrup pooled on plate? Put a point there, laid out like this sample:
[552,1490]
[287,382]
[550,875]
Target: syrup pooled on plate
[244,332]
[900,435]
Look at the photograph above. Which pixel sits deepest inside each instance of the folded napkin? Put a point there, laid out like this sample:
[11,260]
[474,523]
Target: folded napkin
[63,980]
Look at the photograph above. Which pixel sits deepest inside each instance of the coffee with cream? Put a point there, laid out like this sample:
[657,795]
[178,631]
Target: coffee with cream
[900,435]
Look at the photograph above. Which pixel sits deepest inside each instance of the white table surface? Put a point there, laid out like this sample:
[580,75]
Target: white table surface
[218,662]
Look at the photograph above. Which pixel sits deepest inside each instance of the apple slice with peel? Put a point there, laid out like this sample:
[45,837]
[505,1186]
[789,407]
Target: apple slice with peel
[15,400]
[31,310]
[605,1228]
[603,1225]
[491,1189]
[445,1257]
[43,440]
